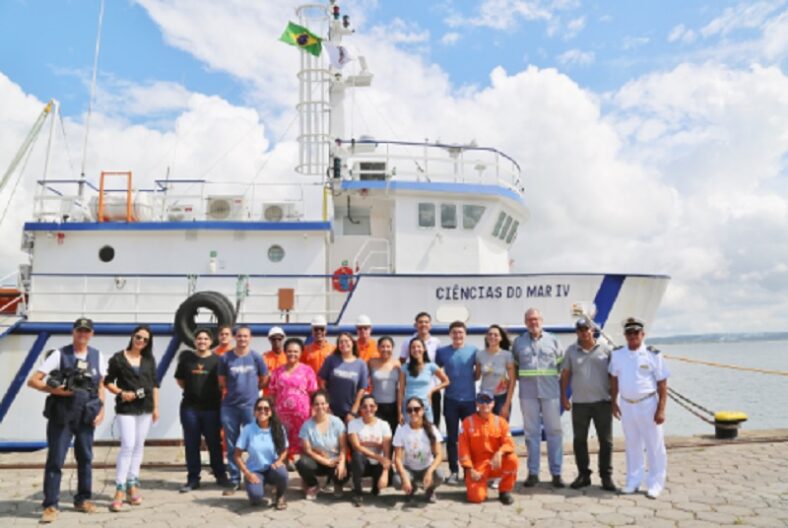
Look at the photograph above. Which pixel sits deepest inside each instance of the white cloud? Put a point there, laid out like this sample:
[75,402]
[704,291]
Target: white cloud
[576,56]
[574,27]
[505,14]
[680,33]
[746,15]
[630,43]
[451,38]
[399,31]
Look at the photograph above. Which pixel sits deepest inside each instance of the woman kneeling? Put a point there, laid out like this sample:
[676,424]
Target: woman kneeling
[265,441]
[417,453]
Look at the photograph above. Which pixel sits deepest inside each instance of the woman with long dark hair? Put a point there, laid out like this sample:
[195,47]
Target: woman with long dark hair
[417,453]
[495,367]
[416,379]
[345,377]
[323,448]
[265,441]
[197,375]
[131,377]
[384,379]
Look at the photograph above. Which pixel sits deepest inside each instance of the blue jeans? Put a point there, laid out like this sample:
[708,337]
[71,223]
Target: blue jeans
[454,412]
[277,477]
[197,424]
[232,420]
[536,411]
[58,440]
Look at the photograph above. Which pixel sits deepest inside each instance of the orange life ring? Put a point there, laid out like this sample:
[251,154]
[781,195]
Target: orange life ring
[342,279]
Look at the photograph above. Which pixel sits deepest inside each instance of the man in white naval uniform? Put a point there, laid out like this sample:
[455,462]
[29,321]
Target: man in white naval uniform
[639,376]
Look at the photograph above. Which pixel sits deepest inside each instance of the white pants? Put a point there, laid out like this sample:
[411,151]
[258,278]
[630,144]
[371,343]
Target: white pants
[132,428]
[641,431]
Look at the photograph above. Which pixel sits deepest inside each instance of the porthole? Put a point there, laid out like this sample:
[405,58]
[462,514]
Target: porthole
[106,254]
[276,253]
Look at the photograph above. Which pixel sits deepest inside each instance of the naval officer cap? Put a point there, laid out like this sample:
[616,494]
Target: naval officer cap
[633,323]
[83,323]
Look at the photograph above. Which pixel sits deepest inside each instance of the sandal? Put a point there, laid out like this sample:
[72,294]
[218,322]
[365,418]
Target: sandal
[281,503]
[133,497]
[120,495]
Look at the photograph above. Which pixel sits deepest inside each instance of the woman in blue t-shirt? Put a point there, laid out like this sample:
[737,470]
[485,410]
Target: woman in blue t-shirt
[417,379]
[345,377]
[265,441]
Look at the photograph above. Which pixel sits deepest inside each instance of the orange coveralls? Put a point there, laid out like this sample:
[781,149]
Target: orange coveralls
[479,440]
[314,355]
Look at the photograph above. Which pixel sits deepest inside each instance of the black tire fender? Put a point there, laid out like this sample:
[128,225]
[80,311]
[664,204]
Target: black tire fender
[218,304]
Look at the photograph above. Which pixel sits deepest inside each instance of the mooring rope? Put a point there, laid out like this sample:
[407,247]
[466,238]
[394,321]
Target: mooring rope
[725,365]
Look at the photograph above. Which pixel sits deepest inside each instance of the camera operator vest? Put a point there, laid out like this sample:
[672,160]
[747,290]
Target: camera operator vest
[84,405]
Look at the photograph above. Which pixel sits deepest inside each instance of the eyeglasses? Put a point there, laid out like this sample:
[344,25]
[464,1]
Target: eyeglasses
[631,332]
[263,408]
[276,338]
[413,410]
[318,329]
[368,406]
[140,337]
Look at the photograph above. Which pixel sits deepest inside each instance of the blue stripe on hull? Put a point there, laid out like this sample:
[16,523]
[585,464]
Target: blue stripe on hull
[23,373]
[606,297]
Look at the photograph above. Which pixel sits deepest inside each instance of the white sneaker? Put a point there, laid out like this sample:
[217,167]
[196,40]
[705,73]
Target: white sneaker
[453,480]
[494,483]
[629,490]
[653,492]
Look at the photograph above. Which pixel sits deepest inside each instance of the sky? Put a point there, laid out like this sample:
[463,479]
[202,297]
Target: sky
[653,135]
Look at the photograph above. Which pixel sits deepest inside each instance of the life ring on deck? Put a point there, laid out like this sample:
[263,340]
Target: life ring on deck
[218,304]
[342,279]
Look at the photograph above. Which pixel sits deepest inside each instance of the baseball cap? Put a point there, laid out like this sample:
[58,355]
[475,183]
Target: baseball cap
[83,323]
[275,330]
[485,397]
[582,323]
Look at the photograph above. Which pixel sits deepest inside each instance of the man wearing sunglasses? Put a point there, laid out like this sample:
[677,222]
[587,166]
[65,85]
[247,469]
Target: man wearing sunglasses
[71,414]
[316,352]
[639,376]
[275,357]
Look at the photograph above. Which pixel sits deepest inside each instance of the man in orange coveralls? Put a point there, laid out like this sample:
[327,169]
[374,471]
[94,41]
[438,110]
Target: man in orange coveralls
[487,451]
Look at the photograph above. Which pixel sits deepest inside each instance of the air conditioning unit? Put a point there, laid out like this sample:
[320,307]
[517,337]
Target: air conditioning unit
[180,213]
[279,212]
[370,170]
[226,208]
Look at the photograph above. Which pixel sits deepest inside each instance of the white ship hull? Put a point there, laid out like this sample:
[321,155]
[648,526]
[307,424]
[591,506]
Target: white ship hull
[390,300]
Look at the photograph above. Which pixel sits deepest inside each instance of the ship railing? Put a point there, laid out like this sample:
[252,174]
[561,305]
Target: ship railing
[371,159]
[374,256]
[178,200]
[156,297]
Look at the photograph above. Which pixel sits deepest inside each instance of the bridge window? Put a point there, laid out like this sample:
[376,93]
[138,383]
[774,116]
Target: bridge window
[512,232]
[499,223]
[505,229]
[426,215]
[471,214]
[448,216]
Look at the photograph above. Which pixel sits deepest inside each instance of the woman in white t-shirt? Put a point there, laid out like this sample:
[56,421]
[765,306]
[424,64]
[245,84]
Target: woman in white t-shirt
[370,439]
[417,453]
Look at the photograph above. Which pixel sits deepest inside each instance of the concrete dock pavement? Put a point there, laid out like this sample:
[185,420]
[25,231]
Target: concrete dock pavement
[710,483]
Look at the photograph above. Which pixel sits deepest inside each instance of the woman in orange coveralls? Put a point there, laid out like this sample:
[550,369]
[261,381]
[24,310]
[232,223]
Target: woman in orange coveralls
[487,451]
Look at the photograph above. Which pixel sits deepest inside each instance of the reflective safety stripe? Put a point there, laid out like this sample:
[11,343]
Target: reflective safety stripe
[536,372]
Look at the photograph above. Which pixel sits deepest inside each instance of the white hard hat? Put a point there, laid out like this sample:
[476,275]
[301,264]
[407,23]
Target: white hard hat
[319,320]
[363,320]
[275,330]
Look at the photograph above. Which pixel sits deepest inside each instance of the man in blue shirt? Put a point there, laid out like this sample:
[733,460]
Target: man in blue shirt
[242,373]
[458,360]
[539,356]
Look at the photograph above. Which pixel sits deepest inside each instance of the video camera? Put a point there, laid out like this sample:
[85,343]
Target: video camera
[75,379]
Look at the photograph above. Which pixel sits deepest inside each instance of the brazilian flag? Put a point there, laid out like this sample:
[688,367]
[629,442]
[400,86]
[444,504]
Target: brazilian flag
[303,38]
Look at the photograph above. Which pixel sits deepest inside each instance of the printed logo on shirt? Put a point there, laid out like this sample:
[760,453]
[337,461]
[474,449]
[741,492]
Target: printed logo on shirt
[242,369]
[346,374]
[199,370]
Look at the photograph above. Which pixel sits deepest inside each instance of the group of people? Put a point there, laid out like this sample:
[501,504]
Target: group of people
[320,407]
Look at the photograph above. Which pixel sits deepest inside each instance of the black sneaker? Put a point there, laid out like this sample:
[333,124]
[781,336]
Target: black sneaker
[357,500]
[582,480]
[431,496]
[557,482]
[189,486]
[608,484]
[231,489]
[223,482]
[531,481]
[506,498]
[375,491]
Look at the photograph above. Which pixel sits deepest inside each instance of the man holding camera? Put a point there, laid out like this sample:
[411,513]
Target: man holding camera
[72,377]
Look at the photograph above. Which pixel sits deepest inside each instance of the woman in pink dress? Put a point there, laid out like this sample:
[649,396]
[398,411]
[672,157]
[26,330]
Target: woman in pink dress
[291,386]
